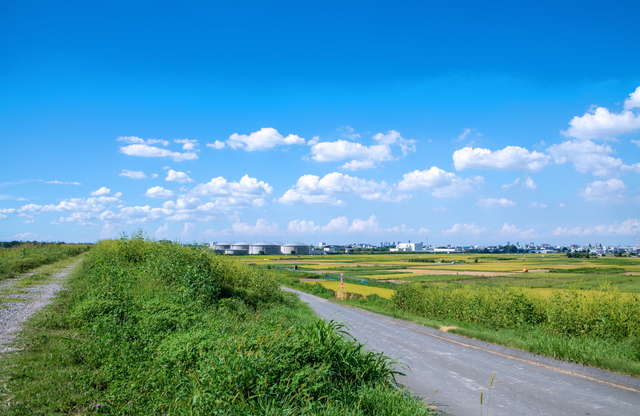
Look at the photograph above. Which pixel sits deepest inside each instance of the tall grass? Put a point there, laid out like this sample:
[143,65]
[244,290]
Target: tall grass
[26,256]
[163,329]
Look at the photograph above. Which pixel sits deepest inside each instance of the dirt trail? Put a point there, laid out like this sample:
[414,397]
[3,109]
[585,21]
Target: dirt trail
[14,313]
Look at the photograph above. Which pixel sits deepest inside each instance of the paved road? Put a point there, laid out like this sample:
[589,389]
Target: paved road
[459,369]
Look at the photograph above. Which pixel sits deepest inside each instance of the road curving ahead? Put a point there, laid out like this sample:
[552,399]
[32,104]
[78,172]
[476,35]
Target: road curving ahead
[452,371]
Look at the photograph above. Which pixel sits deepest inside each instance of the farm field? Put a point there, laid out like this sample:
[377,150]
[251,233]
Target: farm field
[19,258]
[553,271]
[580,310]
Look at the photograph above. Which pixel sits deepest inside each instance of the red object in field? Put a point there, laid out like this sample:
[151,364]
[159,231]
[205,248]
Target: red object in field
[341,282]
[525,270]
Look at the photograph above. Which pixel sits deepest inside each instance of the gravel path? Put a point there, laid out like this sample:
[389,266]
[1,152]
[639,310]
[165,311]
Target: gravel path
[14,314]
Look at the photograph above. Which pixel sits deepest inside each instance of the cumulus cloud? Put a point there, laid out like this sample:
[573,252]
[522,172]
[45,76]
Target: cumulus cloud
[465,229]
[144,150]
[633,101]
[162,232]
[262,227]
[603,124]
[635,167]
[217,145]
[441,183]
[466,132]
[606,192]
[311,189]
[636,142]
[265,139]
[510,230]
[180,177]
[586,156]
[302,227]
[536,205]
[509,158]
[362,156]
[159,192]
[132,174]
[104,191]
[187,144]
[24,236]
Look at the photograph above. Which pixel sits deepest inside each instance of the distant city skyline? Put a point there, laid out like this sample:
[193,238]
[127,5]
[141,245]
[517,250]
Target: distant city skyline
[461,123]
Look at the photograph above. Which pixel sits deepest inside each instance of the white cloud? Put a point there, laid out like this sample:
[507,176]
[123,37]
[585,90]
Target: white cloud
[188,230]
[441,183]
[159,192]
[302,227]
[606,192]
[217,145]
[104,191]
[636,142]
[162,232]
[349,133]
[439,209]
[30,221]
[515,182]
[465,229]
[262,227]
[132,174]
[3,217]
[586,156]
[139,214]
[362,156]
[527,183]
[467,132]
[562,205]
[630,227]
[635,167]
[144,150]
[154,175]
[265,139]
[180,177]
[247,187]
[509,158]
[495,203]
[24,236]
[602,124]
[55,182]
[633,101]
[187,144]
[311,189]
[138,140]
[536,205]
[510,230]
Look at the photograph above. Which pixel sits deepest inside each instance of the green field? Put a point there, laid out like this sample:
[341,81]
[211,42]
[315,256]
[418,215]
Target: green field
[158,328]
[20,258]
[581,310]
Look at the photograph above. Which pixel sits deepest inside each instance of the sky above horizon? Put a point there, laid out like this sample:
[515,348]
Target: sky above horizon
[458,123]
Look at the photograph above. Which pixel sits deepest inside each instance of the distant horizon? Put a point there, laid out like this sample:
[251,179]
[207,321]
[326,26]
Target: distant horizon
[466,123]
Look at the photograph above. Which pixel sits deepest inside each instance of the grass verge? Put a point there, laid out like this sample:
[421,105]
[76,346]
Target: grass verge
[148,328]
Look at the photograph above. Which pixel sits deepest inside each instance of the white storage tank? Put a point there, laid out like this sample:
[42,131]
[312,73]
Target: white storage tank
[295,248]
[265,247]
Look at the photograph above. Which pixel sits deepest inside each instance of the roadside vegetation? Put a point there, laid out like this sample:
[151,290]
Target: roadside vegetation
[17,258]
[158,328]
[581,310]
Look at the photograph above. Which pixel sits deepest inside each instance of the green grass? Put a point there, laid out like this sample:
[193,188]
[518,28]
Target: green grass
[600,329]
[148,328]
[27,256]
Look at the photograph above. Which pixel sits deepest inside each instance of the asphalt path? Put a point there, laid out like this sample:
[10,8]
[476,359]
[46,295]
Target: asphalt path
[451,371]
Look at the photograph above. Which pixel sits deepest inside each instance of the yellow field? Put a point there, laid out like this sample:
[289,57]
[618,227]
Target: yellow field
[360,289]
[399,276]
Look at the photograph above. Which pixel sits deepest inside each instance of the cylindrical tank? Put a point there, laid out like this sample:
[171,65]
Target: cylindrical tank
[265,247]
[295,248]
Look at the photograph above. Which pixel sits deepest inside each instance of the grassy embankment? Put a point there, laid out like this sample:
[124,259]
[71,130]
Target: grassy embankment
[149,328]
[26,256]
[574,313]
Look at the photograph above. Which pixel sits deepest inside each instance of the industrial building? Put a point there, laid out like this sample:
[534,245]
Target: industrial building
[294,248]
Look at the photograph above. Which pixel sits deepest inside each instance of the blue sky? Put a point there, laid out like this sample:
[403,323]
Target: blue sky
[463,123]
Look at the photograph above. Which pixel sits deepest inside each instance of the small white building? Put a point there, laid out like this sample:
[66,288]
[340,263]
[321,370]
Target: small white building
[408,247]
